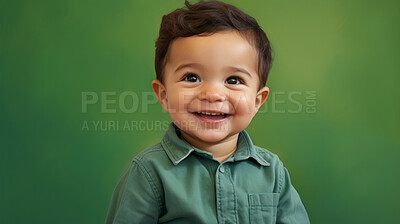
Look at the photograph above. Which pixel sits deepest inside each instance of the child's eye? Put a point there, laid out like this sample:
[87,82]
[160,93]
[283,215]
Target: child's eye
[234,80]
[190,77]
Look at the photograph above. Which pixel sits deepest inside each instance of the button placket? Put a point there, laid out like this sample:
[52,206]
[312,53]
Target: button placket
[226,199]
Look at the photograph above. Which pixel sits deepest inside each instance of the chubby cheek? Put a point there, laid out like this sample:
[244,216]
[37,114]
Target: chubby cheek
[244,105]
[244,110]
[178,101]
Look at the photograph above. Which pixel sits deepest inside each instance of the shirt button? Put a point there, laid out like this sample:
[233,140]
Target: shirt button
[222,169]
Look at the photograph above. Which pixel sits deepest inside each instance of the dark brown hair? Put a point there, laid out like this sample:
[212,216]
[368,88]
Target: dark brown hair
[206,18]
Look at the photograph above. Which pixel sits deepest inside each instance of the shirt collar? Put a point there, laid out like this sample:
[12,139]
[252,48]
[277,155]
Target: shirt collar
[177,149]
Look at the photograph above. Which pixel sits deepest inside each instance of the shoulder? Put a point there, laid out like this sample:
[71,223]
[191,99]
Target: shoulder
[151,159]
[141,180]
[149,152]
[278,168]
[268,156]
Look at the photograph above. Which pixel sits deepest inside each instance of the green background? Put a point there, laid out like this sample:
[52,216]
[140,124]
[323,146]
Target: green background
[343,157]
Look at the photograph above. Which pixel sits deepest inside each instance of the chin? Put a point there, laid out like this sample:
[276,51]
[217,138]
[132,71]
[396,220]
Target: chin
[211,136]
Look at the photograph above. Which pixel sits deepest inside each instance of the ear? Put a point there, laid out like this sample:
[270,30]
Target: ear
[261,97]
[161,93]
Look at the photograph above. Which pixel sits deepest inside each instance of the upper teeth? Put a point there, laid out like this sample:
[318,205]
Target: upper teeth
[206,113]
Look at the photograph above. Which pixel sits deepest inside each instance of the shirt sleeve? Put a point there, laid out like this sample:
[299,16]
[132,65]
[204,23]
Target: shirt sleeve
[135,198]
[290,207]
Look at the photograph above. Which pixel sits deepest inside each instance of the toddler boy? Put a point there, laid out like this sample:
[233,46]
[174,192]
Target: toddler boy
[212,62]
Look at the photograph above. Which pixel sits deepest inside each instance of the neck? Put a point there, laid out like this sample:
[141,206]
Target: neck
[221,150]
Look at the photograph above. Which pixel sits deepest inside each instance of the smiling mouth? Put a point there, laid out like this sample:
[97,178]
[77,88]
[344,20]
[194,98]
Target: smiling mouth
[212,116]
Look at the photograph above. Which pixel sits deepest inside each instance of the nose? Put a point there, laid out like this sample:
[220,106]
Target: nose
[212,93]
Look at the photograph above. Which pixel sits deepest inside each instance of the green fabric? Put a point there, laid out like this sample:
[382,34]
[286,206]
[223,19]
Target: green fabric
[173,182]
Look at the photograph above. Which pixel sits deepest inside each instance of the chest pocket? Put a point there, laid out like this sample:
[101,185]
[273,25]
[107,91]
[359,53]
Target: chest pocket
[263,207]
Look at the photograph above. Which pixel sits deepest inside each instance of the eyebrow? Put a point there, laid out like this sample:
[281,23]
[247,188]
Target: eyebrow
[242,70]
[190,65]
[230,68]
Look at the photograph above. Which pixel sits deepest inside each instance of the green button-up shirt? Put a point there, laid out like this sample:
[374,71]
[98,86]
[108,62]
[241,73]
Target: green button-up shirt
[174,182]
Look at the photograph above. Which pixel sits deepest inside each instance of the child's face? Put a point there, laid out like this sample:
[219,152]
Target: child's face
[214,74]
